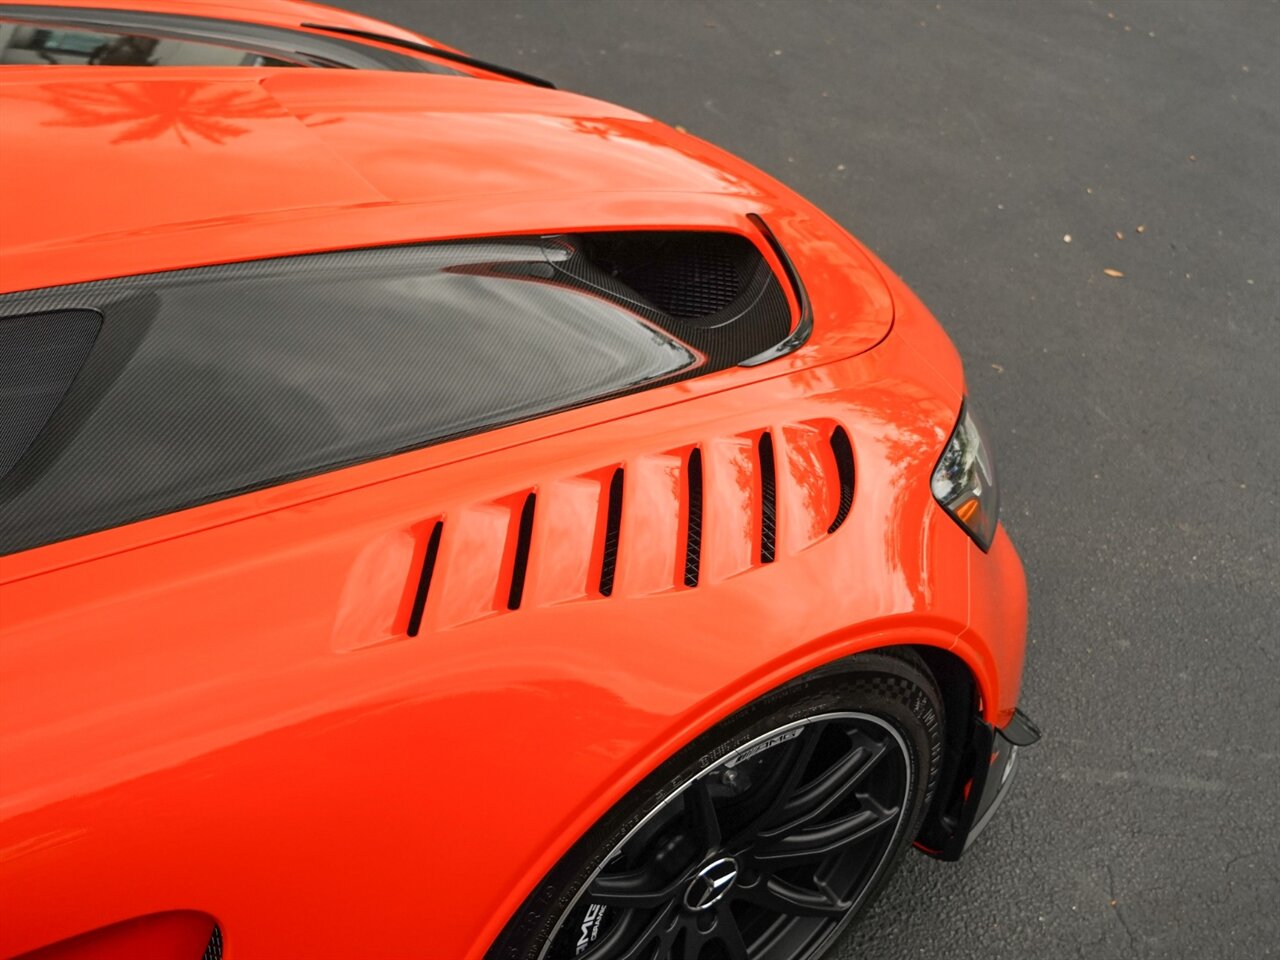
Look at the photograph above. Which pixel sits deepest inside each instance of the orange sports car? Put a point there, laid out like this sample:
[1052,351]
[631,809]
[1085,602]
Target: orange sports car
[448,517]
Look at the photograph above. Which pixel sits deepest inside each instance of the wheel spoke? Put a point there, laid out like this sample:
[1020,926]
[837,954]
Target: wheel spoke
[726,932]
[789,900]
[638,889]
[789,766]
[820,797]
[815,844]
[729,933]
[702,814]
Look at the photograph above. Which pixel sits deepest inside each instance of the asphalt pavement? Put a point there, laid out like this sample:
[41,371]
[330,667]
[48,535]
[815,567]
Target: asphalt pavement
[1003,157]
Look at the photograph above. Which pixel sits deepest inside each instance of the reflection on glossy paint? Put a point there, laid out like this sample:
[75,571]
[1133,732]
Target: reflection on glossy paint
[369,606]
[564,538]
[211,112]
[808,493]
[649,540]
[732,491]
[897,424]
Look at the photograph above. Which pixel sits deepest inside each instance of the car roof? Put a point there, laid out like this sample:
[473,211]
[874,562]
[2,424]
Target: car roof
[126,170]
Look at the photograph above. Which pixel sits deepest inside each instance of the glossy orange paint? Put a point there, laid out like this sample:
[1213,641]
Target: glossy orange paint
[179,934]
[221,710]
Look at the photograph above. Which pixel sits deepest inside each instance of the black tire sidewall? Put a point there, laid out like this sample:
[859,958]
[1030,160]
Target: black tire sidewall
[895,688]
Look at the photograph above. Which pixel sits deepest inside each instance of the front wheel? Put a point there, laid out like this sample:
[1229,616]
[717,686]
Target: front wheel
[759,841]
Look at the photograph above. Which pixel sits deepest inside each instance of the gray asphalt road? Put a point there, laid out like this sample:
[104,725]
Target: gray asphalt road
[1137,418]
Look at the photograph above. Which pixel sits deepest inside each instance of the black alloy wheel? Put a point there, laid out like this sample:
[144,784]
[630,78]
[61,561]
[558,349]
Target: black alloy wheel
[768,844]
[758,856]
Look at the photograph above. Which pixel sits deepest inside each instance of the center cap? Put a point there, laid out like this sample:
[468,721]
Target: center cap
[711,883]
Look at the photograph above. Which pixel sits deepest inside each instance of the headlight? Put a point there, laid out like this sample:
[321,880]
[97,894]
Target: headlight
[964,481]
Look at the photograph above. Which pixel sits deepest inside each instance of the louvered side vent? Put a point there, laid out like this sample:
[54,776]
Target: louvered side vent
[768,499]
[693,521]
[424,579]
[613,525]
[843,451]
[694,516]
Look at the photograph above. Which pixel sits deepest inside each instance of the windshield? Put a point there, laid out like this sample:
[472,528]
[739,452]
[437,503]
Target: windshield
[86,37]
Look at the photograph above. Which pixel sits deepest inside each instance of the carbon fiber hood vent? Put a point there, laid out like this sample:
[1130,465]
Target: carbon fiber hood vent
[359,355]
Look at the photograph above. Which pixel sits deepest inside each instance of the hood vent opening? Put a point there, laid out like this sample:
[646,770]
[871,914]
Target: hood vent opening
[520,565]
[714,292]
[424,579]
[843,450]
[612,526]
[687,275]
[768,499]
[693,524]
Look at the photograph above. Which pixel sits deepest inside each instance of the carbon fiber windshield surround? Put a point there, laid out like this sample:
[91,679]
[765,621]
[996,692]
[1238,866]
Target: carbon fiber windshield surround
[209,382]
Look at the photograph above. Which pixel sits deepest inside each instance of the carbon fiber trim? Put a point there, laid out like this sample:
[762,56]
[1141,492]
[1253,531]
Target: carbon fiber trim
[798,337]
[33,382]
[215,381]
[713,291]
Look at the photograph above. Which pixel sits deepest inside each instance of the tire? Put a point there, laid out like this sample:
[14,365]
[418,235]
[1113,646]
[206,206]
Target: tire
[762,839]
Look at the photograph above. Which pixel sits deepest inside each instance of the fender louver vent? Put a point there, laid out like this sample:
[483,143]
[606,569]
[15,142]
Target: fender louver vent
[613,524]
[768,499]
[843,451]
[693,524]
[214,950]
[695,516]
[520,566]
[424,579]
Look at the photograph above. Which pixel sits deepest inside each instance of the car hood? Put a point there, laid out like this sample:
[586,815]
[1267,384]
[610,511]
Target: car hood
[127,171]
[120,156]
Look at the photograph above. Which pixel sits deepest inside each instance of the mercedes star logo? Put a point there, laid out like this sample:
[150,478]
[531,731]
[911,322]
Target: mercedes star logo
[711,883]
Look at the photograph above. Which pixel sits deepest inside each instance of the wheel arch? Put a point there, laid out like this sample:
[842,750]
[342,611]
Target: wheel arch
[962,705]
[961,689]
[926,643]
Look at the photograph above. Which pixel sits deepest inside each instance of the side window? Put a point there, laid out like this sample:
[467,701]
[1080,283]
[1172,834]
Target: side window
[215,381]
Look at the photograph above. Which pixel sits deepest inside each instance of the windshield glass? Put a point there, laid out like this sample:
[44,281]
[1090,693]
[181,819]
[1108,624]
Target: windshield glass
[84,37]
[32,44]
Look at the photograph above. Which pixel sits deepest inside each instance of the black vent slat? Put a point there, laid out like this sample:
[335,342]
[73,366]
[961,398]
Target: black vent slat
[612,524]
[424,579]
[520,566]
[843,451]
[693,531]
[768,499]
[213,951]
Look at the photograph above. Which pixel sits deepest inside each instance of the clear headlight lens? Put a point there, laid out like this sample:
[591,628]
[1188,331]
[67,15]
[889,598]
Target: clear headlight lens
[964,481]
